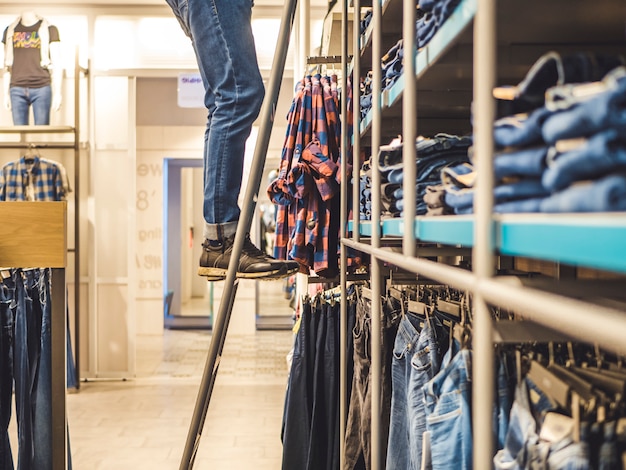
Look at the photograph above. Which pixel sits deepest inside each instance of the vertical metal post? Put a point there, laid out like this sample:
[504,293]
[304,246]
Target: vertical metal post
[247,212]
[58,359]
[376,281]
[77,217]
[409,126]
[343,218]
[483,252]
[356,119]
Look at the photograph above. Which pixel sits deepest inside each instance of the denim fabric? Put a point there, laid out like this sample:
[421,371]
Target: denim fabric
[390,156]
[601,154]
[38,293]
[607,194]
[522,162]
[7,319]
[505,384]
[609,458]
[23,98]
[552,69]
[429,168]
[532,204]
[591,115]
[458,177]
[392,64]
[520,130]
[425,29]
[524,189]
[323,449]
[221,34]
[524,449]
[358,427]
[447,400]
[416,359]
[296,426]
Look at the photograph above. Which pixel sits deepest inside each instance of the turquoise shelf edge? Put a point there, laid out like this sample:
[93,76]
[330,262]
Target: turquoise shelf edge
[589,240]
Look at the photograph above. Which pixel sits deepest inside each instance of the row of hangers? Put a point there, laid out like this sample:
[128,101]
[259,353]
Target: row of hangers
[581,379]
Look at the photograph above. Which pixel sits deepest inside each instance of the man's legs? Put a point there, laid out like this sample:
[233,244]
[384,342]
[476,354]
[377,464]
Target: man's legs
[222,37]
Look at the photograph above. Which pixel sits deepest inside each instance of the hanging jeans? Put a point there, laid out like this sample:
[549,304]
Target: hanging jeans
[416,359]
[7,328]
[358,428]
[448,414]
[298,399]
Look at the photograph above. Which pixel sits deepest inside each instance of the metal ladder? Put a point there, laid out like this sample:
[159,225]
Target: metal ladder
[247,212]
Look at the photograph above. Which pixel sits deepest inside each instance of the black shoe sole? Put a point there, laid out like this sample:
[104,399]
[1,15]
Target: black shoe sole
[219,274]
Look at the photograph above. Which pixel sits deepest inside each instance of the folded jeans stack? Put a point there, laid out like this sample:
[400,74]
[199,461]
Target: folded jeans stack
[568,155]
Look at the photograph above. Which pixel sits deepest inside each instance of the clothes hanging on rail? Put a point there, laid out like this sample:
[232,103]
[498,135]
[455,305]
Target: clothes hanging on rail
[26,368]
[310,431]
[306,191]
[32,178]
[26,320]
[358,427]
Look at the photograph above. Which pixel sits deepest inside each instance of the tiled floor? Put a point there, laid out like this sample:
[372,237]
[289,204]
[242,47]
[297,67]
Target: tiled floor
[143,423]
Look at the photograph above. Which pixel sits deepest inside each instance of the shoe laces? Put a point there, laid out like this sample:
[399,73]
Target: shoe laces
[251,249]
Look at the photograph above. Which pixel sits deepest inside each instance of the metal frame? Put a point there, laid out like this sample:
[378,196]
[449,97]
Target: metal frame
[542,307]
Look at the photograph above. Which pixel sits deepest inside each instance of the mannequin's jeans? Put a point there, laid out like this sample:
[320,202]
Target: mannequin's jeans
[22,98]
[221,35]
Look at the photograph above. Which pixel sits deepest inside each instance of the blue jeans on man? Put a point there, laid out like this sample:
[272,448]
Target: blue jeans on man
[222,39]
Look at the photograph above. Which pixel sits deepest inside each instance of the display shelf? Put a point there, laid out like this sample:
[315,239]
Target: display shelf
[589,240]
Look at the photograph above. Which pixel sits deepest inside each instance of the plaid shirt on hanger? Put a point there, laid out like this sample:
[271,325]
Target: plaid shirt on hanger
[307,179]
[41,180]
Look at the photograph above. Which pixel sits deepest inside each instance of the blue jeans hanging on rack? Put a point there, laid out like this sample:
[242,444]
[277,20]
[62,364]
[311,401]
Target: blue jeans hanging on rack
[448,412]
[416,359]
[7,329]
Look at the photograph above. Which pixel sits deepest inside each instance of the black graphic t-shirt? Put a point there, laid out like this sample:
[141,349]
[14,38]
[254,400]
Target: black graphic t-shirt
[27,70]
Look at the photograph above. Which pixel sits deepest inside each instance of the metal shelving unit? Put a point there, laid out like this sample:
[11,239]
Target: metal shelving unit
[72,144]
[484,43]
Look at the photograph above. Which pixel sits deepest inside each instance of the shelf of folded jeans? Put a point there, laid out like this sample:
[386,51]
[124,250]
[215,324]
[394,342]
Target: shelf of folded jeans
[444,38]
[391,17]
[589,240]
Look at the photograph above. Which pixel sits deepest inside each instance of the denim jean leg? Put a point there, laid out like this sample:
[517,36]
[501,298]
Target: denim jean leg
[447,403]
[26,356]
[7,316]
[41,100]
[20,105]
[296,416]
[317,449]
[221,34]
[359,413]
[399,443]
[42,415]
[331,386]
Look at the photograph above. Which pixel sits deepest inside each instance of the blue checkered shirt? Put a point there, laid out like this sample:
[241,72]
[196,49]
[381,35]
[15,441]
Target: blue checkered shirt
[41,180]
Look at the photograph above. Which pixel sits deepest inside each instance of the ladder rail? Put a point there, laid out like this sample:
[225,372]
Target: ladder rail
[220,327]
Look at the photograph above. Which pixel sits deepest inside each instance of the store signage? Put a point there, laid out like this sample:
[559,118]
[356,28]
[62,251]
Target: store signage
[190,90]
